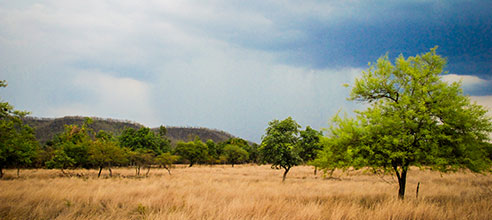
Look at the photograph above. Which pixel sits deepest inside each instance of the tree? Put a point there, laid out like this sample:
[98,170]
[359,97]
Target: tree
[18,145]
[60,160]
[142,157]
[194,151]
[212,151]
[235,154]
[105,152]
[145,138]
[309,145]
[414,119]
[145,145]
[345,133]
[166,160]
[279,145]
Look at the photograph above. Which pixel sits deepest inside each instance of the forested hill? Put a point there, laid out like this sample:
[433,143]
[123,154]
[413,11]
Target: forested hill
[47,128]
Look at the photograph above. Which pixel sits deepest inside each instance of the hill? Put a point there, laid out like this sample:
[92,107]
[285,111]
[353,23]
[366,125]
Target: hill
[47,128]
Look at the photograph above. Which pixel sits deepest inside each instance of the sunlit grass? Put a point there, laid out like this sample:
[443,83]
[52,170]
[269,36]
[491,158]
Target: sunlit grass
[242,192]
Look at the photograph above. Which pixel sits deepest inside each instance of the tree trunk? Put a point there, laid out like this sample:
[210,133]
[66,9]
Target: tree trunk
[331,172]
[63,171]
[191,164]
[1,172]
[110,172]
[100,169]
[18,172]
[233,165]
[148,170]
[402,180]
[168,170]
[315,170]
[285,173]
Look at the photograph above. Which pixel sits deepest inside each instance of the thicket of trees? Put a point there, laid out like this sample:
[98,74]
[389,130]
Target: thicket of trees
[79,146]
[413,118]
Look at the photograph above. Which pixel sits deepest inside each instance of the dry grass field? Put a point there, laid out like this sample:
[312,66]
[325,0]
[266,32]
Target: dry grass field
[242,192]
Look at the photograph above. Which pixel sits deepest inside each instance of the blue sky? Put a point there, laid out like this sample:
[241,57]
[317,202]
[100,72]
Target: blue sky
[228,65]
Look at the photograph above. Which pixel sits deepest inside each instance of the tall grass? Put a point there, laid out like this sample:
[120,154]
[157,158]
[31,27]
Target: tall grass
[242,192]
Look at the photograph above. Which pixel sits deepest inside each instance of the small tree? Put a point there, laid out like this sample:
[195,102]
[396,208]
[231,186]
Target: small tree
[166,160]
[279,145]
[142,158]
[60,160]
[235,154]
[105,152]
[17,142]
[309,145]
[194,151]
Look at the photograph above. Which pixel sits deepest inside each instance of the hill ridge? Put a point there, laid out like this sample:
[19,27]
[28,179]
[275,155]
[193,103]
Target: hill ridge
[46,128]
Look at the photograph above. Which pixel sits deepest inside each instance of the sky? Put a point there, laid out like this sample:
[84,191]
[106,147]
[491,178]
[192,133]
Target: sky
[227,65]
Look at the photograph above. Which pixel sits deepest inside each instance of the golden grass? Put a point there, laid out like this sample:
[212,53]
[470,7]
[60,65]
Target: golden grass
[242,192]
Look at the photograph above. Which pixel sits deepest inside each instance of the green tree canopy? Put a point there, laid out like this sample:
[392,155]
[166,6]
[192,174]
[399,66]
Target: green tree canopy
[166,160]
[414,118]
[279,145]
[145,138]
[17,142]
[105,152]
[194,151]
[71,147]
[235,154]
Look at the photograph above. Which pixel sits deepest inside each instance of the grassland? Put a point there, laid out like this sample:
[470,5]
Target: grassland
[242,192]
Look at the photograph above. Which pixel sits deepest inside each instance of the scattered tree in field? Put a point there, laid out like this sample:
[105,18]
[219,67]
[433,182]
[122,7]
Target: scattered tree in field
[194,151]
[309,145]
[142,158]
[18,145]
[74,144]
[414,119]
[235,154]
[145,145]
[105,152]
[279,146]
[166,160]
[212,151]
[60,160]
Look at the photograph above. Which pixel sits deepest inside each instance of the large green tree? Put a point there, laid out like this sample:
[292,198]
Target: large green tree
[235,154]
[194,151]
[279,145]
[17,142]
[414,118]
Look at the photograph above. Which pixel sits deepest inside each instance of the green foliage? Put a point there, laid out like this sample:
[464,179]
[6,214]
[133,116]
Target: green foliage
[214,151]
[309,144]
[235,154]
[194,151]
[144,138]
[71,147]
[413,119]
[18,145]
[279,145]
[166,160]
[105,152]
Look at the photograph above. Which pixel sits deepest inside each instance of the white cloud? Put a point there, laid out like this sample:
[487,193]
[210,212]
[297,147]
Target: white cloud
[467,80]
[485,101]
[108,96]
